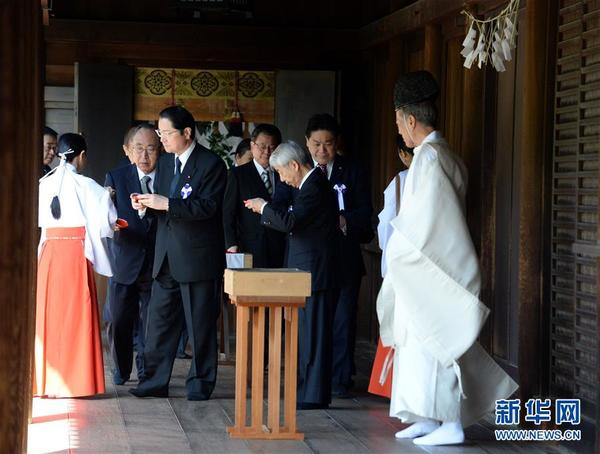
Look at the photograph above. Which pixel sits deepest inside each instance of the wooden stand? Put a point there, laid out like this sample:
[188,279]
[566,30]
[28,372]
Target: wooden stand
[280,307]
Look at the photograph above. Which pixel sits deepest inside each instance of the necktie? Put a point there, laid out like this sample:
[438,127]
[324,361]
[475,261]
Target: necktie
[175,179]
[267,181]
[323,168]
[145,183]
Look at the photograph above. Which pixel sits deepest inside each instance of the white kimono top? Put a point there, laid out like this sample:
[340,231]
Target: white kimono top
[83,202]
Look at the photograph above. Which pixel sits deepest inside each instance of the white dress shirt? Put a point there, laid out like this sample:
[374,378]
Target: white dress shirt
[151,175]
[183,157]
[306,176]
[260,169]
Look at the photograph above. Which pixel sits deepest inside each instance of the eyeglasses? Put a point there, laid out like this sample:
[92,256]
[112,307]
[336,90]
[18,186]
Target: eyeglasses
[264,146]
[139,149]
[160,133]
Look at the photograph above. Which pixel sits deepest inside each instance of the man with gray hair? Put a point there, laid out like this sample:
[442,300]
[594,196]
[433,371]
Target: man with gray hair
[311,224]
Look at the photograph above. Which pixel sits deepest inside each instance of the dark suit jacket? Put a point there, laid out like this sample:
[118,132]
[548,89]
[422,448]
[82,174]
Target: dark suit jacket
[358,213]
[190,233]
[311,224]
[242,226]
[131,246]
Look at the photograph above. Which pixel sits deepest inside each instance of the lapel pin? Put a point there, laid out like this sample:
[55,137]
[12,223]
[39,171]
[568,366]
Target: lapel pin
[186,191]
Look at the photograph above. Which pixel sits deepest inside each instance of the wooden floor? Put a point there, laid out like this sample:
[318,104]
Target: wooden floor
[117,422]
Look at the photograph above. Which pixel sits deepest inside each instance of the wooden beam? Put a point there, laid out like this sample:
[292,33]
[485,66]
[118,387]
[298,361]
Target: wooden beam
[410,18]
[60,75]
[193,45]
[197,35]
[20,126]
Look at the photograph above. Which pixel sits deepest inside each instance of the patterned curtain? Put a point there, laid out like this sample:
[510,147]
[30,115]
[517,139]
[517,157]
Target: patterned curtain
[208,95]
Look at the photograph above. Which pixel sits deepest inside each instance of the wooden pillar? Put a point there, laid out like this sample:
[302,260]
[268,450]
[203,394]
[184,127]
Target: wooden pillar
[20,160]
[471,148]
[432,54]
[532,146]
[396,65]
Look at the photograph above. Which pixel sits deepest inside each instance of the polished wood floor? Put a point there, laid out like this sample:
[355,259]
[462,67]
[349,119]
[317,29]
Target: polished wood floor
[116,422]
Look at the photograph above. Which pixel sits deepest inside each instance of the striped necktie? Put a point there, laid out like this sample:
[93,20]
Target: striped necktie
[267,181]
[323,168]
[145,183]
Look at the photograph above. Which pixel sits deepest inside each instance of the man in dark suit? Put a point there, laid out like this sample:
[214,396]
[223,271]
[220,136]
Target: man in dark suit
[243,230]
[350,184]
[132,254]
[311,223]
[50,137]
[188,261]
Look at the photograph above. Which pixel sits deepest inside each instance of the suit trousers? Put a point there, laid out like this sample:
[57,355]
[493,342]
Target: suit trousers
[344,336]
[173,303]
[314,348]
[128,313]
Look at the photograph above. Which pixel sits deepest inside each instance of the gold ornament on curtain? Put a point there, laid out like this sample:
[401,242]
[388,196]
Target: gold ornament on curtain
[208,94]
[496,37]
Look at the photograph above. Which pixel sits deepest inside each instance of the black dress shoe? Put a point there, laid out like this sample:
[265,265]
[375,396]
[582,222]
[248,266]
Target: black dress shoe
[341,393]
[197,396]
[311,406]
[183,356]
[141,393]
[118,378]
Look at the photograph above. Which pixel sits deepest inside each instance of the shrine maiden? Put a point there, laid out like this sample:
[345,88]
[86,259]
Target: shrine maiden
[76,216]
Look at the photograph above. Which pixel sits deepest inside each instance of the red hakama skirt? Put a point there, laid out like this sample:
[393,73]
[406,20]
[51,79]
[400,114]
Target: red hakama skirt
[68,346]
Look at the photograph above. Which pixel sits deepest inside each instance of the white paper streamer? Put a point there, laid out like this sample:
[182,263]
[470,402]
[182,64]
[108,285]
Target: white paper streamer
[496,37]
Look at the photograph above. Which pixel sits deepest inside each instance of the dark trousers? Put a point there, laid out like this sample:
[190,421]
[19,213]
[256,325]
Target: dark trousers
[128,313]
[172,304]
[183,340]
[314,348]
[344,337]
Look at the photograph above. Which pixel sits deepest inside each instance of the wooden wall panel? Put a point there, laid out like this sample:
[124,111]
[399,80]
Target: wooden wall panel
[21,96]
[452,94]
[574,291]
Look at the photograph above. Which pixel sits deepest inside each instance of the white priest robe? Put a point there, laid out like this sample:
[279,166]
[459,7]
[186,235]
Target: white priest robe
[392,195]
[83,202]
[428,305]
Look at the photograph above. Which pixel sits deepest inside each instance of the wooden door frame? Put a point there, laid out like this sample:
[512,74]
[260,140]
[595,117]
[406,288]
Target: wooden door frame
[21,127]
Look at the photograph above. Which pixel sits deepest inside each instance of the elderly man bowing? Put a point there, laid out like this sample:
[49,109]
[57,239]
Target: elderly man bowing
[311,223]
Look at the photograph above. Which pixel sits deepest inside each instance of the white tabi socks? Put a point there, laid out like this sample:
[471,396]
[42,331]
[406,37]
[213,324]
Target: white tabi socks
[418,429]
[449,433]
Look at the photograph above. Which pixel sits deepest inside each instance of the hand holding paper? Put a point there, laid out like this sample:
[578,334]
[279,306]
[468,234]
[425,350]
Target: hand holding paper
[135,204]
[255,205]
[154,201]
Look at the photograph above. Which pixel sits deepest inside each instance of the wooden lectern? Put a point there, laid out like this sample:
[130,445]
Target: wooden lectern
[253,291]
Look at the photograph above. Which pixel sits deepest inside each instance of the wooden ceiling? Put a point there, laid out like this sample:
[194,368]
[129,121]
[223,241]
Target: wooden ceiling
[331,14]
